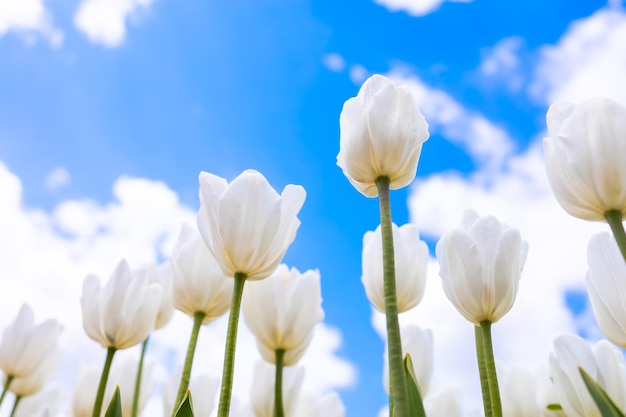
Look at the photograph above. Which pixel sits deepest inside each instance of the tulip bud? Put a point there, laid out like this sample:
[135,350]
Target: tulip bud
[246,224]
[382,131]
[411,260]
[603,363]
[480,267]
[585,157]
[199,283]
[606,285]
[282,311]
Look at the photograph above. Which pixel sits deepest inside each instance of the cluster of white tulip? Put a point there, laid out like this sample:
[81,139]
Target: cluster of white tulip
[244,229]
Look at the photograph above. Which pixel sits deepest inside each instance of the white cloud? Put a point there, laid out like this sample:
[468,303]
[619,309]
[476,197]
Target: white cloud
[104,21]
[334,62]
[416,7]
[501,64]
[28,18]
[57,178]
[487,143]
[587,61]
[46,255]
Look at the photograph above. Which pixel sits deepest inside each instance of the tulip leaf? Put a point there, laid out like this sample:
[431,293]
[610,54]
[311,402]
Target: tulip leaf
[605,404]
[186,407]
[554,407]
[415,399]
[115,406]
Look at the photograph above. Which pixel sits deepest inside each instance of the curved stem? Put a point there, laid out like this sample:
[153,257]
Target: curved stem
[15,404]
[231,343]
[136,394]
[278,384]
[97,407]
[482,370]
[490,365]
[6,388]
[614,219]
[198,316]
[397,381]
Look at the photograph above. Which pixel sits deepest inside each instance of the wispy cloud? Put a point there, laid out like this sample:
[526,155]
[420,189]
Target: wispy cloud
[416,7]
[28,19]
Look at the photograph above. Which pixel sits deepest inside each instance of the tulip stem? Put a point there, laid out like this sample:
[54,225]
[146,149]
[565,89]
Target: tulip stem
[6,388]
[15,404]
[397,381]
[278,384]
[135,410]
[198,316]
[97,407]
[490,366]
[482,370]
[231,344]
[614,219]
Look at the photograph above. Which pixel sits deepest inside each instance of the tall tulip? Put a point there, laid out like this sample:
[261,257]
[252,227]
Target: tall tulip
[606,285]
[248,228]
[29,352]
[603,363]
[382,131]
[410,258]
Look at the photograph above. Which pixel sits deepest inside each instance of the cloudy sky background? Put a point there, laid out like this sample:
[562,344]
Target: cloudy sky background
[110,109]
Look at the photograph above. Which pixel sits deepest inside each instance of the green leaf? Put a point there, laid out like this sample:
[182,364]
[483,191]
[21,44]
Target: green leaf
[186,407]
[115,406]
[554,407]
[603,401]
[415,399]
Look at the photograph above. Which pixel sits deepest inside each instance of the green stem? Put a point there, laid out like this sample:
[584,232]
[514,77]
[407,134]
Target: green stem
[231,343]
[136,394]
[490,365]
[198,316]
[97,407]
[15,404]
[482,370]
[397,381]
[278,384]
[614,219]
[6,388]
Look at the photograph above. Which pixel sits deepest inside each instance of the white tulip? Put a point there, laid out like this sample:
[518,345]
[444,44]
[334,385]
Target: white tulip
[161,275]
[123,312]
[419,344]
[26,347]
[50,401]
[524,394]
[199,283]
[480,266]
[262,395]
[246,224]
[585,157]
[282,311]
[443,403]
[603,363]
[382,131]
[203,390]
[606,285]
[411,261]
[327,405]
[33,383]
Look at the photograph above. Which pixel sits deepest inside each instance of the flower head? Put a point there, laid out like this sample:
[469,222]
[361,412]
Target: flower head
[124,311]
[480,267]
[410,259]
[585,157]
[199,283]
[282,311]
[246,224]
[382,131]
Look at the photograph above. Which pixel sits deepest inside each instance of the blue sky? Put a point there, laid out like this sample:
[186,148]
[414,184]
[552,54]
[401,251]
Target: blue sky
[221,87]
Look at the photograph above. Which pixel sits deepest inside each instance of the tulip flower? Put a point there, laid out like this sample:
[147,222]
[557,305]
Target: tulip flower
[444,403]
[481,265]
[203,389]
[199,284]
[33,383]
[382,132]
[585,157]
[124,312]
[603,363]
[327,405]
[161,275]
[262,395]
[246,224]
[29,353]
[411,260]
[47,403]
[606,285]
[419,344]
[282,311]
